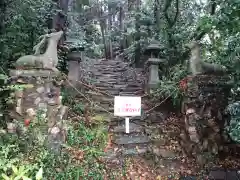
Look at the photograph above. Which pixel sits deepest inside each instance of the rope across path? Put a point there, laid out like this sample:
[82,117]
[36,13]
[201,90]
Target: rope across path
[106,93]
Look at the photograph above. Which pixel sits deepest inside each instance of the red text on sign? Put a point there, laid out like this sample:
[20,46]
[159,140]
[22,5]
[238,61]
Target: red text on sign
[128,109]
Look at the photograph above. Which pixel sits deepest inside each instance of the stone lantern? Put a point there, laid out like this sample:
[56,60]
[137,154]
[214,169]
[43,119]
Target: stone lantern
[75,56]
[153,62]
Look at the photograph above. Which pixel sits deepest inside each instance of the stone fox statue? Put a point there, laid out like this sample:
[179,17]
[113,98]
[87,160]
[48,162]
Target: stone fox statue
[197,66]
[48,60]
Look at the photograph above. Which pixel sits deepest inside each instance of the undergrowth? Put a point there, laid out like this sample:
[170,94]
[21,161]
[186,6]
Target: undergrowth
[79,158]
[168,87]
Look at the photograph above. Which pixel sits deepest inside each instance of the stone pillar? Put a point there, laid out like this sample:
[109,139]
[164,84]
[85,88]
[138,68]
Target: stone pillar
[153,51]
[74,59]
[153,72]
[204,103]
[75,56]
[39,104]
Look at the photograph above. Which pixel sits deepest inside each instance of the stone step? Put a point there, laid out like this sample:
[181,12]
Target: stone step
[106,88]
[131,139]
[134,84]
[115,121]
[132,89]
[105,71]
[93,93]
[138,122]
[127,94]
[119,119]
[104,100]
[133,128]
[110,91]
[103,117]
[163,152]
[102,109]
[108,80]
[134,151]
[114,71]
[106,106]
[113,62]
[99,97]
[131,93]
[119,70]
[110,75]
[111,68]
[103,85]
[222,174]
[102,63]
[117,86]
[119,154]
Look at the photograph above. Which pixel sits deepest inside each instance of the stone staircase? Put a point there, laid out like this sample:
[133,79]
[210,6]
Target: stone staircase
[115,78]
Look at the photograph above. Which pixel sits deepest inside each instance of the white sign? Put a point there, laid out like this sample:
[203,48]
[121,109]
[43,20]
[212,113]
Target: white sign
[127,106]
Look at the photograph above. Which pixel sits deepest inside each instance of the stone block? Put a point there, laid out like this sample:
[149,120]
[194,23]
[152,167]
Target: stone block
[155,61]
[43,97]
[34,73]
[153,76]
[135,139]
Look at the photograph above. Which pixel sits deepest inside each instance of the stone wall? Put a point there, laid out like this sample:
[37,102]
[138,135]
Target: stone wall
[39,103]
[204,103]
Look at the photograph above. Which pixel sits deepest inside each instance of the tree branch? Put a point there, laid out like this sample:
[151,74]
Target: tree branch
[213,7]
[166,7]
[177,12]
[198,36]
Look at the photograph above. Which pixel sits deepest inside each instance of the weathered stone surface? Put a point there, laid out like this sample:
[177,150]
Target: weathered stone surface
[125,140]
[107,79]
[126,94]
[153,77]
[218,174]
[103,85]
[155,61]
[11,128]
[117,86]
[134,151]
[40,89]
[99,109]
[163,152]
[34,72]
[132,128]
[93,93]
[38,100]
[19,94]
[118,119]
[117,78]
[205,105]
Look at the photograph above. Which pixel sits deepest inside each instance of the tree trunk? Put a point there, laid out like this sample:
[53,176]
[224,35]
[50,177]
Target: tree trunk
[60,19]
[157,17]
[109,31]
[121,28]
[2,15]
[102,26]
[137,35]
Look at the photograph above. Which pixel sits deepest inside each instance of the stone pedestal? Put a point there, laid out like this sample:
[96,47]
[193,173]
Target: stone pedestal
[204,103]
[153,72]
[74,59]
[39,103]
